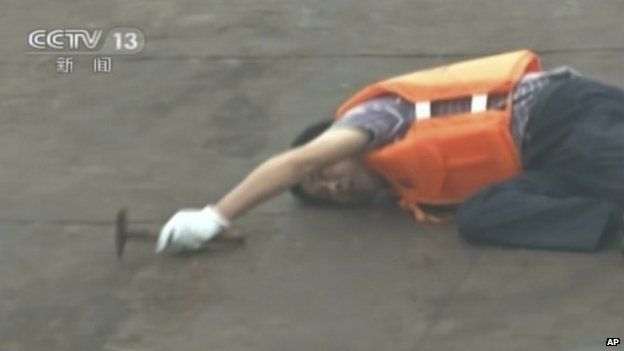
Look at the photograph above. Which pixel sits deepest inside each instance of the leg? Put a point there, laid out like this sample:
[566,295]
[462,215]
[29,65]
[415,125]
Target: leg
[535,210]
[579,136]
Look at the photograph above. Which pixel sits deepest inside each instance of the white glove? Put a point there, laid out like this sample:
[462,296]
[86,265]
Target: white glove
[190,229]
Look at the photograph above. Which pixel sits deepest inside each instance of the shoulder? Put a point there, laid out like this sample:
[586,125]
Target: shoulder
[384,119]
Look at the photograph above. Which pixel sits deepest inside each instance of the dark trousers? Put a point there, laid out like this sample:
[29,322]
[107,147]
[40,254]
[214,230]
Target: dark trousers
[570,194]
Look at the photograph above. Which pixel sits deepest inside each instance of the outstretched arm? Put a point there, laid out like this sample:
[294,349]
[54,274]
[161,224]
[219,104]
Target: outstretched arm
[288,168]
[191,228]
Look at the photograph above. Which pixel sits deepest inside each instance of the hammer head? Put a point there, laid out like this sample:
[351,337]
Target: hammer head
[121,232]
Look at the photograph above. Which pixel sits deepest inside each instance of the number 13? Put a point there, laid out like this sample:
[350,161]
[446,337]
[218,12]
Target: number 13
[128,41]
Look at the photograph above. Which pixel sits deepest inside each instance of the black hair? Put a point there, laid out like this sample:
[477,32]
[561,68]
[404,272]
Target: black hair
[308,134]
[311,132]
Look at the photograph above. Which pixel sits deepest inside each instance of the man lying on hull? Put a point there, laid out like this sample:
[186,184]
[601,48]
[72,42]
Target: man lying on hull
[532,158]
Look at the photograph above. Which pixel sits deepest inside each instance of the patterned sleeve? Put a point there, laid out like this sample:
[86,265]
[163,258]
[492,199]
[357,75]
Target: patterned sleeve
[384,118]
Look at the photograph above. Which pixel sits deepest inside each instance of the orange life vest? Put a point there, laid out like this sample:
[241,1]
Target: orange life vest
[444,160]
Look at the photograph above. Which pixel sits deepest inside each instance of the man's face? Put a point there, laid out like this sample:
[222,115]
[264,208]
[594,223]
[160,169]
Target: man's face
[345,182]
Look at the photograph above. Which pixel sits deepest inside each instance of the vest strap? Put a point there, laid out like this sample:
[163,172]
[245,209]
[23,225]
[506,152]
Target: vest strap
[423,217]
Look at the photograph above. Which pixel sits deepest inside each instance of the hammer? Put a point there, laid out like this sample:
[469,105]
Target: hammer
[122,234]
